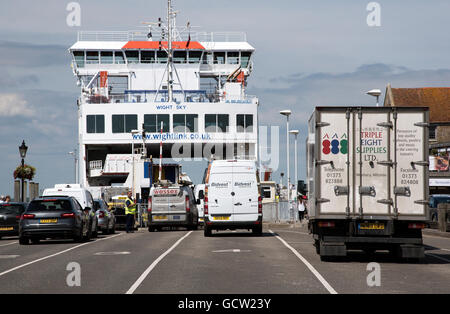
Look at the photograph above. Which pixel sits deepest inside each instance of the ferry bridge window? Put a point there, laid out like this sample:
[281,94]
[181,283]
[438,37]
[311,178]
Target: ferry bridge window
[147,56]
[195,56]
[245,58]
[95,124]
[79,58]
[106,57]
[92,57]
[233,57]
[219,57]
[216,123]
[118,57]
[152,123]
[124,123]
[244,123]
[179,56]
[185,123]
[207,58]
[161,56]
[132,56]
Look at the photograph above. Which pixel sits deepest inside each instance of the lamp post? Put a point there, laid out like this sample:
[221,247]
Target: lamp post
[295,132]
[23,152]
[133,132]
[375,93]
[287,113]
[74,154]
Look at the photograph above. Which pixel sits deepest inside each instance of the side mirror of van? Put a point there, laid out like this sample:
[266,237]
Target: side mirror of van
[201,194]
[197,201]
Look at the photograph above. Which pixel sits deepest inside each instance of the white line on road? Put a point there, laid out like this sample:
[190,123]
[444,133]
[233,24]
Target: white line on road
[56,254]
[310,267]
[9,243]
[153,265]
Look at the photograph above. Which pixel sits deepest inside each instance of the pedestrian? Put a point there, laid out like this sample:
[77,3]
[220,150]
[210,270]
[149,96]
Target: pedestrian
[7,199]
[130,211]
[2,199]
[301,208]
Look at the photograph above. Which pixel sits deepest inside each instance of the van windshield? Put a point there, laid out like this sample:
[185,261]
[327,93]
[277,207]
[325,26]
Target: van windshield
[49,205]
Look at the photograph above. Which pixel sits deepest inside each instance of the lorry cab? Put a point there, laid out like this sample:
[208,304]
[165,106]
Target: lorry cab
[171,205]
[232,196]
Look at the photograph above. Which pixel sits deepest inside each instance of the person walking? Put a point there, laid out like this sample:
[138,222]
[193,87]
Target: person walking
[301,208]
[130,211]
[7,199]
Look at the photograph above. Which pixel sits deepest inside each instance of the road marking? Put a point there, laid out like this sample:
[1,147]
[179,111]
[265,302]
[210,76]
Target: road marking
[112,253]
[53,255]
[231,251]
[9,243]
[292,231]
[8,256]
[310,267]
[439,257]
[153,265]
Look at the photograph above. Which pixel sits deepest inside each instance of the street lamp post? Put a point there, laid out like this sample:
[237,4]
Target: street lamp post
[375,93]
[74,154]
[23,152]
[295,132]
[287,113]
[133,132]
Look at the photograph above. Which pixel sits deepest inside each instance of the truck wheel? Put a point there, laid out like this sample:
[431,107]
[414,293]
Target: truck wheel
[207,231]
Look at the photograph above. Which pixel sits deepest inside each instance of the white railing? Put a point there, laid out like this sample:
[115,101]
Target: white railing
[95,164]
[142,36]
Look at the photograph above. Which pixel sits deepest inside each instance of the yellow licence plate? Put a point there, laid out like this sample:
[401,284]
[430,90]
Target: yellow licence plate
[221,218]
[6,228]
[162,217]
[371,226]
[48,221]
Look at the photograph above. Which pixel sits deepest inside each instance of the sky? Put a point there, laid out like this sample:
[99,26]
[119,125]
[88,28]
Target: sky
[308,53]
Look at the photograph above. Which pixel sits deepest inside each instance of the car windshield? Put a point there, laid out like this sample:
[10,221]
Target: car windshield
[10,209]
[49,205]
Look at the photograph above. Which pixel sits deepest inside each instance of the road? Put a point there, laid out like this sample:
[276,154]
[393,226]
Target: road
[283,261]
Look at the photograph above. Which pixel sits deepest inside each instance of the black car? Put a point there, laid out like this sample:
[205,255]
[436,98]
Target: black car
[9,218]
[54,217]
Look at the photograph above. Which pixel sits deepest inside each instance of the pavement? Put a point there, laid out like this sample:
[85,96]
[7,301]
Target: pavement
[281,261]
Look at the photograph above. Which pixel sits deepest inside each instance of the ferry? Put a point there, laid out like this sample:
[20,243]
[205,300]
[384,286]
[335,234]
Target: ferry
[161,92]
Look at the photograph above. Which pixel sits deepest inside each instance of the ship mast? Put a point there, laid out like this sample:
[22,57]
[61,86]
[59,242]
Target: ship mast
[170,51]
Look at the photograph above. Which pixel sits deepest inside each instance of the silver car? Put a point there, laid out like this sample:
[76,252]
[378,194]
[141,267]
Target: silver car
[106,219]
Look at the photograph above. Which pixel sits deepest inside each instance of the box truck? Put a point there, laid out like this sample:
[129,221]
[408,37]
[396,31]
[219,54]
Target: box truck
[367,172]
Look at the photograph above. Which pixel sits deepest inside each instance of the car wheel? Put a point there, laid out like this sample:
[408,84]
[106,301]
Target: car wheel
[24,240]
[151,229]
[207,231]
[113,230]
[35,240]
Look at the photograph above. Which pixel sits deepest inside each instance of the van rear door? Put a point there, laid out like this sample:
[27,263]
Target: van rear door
[220,198]
[245,188]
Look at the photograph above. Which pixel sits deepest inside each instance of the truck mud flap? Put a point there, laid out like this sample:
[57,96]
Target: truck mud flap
[333,249]
[411,251]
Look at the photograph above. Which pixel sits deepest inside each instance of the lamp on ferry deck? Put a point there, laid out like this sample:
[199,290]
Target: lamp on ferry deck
[375,93]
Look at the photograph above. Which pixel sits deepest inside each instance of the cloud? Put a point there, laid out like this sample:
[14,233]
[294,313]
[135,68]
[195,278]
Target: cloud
[8,81]
[12,105]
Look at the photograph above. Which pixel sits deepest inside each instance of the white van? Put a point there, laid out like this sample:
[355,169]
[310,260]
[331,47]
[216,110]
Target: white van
[82,195]
[232,197]
[199,201]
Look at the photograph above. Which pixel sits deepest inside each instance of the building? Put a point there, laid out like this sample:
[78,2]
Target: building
[438,101]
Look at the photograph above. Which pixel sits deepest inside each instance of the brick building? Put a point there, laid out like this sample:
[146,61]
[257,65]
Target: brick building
[438,100]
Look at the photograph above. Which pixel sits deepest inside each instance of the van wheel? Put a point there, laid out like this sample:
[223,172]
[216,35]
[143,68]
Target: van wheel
[257,230]
[24,240]
[207,231]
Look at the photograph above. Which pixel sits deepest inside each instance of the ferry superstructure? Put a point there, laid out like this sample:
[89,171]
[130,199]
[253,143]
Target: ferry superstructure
[192,83]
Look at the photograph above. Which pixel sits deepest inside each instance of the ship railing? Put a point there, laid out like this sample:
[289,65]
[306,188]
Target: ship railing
[140,35]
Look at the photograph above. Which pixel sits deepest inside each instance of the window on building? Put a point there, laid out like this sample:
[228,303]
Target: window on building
[219,57]
[195,56]
[185,123]
[95,124]
[216,123]
[106,57]
[119,58]
[92,57]
[147,57]
[179,56]
[232,57]
[161,56]
[432,132]
[245,58]
[79,58]
[132,56]
[244,123]
[152,123]
[124,123]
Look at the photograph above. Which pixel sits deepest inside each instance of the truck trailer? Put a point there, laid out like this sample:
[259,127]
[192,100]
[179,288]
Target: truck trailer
[367,172]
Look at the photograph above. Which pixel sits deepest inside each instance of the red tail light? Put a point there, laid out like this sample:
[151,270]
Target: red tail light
[259,205]
[416,225]
[68,215]
[18,217]
[27,216]
[149,206]
[205,202]
[326,224]
[101,215]
[188,205]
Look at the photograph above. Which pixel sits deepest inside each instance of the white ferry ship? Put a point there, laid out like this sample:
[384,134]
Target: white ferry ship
[189,82]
